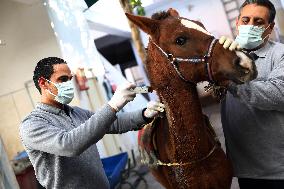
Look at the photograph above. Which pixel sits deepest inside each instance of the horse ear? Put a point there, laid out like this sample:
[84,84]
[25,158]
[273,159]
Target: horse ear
[173,12]
[148,25]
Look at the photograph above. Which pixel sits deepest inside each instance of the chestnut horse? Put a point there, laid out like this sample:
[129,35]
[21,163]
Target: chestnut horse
[181,148]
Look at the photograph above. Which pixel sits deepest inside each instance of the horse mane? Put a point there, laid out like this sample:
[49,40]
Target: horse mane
[160,15]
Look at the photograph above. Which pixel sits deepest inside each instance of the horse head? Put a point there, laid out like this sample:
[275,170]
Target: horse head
[191,50]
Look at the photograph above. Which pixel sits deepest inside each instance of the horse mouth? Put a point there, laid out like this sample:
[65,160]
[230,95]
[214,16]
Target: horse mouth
[245,77]
[238,81]
[241,78]
[244,74]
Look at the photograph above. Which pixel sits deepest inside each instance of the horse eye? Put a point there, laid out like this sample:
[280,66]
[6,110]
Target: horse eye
[181,40]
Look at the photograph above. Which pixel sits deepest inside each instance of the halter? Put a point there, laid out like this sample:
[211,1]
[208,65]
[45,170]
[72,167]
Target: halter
[175,60]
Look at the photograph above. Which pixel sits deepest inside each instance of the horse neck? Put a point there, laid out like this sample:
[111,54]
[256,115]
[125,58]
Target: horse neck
[187,129]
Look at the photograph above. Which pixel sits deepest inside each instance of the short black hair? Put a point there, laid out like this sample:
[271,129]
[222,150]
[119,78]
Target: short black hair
[264,3]
[44,68]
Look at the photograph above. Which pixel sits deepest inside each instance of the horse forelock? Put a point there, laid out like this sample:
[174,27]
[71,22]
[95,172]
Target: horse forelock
[160,15]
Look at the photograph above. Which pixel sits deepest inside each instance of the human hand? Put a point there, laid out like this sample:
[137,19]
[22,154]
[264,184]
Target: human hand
[122,96]
[153,109]
[229,43]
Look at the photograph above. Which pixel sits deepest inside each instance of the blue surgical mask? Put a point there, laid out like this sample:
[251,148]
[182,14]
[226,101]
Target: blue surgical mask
[65,92]
[250,36]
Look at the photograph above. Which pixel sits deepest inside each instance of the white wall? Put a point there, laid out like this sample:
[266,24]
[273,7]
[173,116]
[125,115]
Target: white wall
[28,36]
[26,30]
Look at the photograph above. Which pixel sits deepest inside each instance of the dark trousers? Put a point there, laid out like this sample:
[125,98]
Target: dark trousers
[246,183]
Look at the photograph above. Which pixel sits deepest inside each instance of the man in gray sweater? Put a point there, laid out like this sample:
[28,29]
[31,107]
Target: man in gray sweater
[61,140]
[253,113]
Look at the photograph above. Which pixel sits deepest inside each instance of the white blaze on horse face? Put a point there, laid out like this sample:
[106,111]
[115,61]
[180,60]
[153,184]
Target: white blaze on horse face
[246,63]
[192,25]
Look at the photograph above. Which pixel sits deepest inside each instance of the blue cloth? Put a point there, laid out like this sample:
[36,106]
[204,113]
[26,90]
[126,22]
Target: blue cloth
[21,155]
[114,166]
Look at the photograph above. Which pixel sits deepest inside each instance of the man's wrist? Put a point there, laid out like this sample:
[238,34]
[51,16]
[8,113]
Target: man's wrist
[113,107]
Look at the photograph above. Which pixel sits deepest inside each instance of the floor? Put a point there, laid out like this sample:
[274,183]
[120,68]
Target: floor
[213,112]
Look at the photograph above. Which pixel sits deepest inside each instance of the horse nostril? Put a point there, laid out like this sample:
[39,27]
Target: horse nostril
[237,61]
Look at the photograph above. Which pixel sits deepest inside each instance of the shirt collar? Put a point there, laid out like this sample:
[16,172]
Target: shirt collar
[262,52]
[52,109]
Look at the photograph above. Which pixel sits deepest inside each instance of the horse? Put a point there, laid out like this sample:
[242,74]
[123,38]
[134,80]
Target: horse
[181,148]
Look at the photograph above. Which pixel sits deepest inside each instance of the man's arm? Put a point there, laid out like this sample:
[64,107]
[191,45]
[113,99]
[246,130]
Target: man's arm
[38,133]
[135,120]
[264,94]
[128,121]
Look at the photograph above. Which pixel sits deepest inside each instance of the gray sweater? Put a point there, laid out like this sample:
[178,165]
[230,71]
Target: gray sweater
[253,119]
[62,147]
